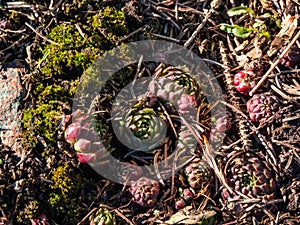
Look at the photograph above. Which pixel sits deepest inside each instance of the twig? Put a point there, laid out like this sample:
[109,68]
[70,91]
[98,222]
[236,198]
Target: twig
[262,80]
[87,216]
[157,172]
[123,217]
[280,92]
[12,31]
[216,63]
[80,31]
[13,44]
[56,5]
[214,5]
[18,5]
[133,33]
[165,37]
[52,42]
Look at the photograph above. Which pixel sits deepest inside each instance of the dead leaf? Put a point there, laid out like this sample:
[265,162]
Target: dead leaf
[189,216]
[289,25]
[254,53]
[268,5]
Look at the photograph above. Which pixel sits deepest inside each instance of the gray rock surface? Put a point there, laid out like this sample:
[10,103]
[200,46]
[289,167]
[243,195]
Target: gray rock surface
[11,94]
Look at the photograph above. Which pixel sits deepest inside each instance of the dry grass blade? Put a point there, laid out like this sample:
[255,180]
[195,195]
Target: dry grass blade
[209,157]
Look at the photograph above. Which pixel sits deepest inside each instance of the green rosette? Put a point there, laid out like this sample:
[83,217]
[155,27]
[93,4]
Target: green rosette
[143,128]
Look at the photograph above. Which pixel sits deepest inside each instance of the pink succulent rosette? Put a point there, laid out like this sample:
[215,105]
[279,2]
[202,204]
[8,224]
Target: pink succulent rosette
[249,177]
[199,175]
[144,191]
[84,140]
[262,106]
[243,81]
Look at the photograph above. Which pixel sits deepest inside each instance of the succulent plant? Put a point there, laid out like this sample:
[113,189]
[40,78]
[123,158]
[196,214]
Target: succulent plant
[199,175]
[72,132]
[142,128]
[102,217]
[186,196]
[186,103]
[262,106]
[176,86]
[179,204]
[81,135]
[85,157]
[243,81]
[291,58]
[251,176]
[144,191]
[185,145]
[78,126]
[223,124]
[181,76]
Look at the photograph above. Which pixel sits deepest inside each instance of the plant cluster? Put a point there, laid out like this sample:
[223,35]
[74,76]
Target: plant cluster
[72,50]
[75,34]
[250,176]
[66,59]
[144,191]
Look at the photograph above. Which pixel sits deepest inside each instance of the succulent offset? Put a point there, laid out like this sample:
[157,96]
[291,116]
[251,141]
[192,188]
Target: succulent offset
[102,217]
[177,86]
[85,140]
[252,177]
[144,191]
[186,195]
[199,175]
[262,106]
[243,81]
[220,125]
[199,179]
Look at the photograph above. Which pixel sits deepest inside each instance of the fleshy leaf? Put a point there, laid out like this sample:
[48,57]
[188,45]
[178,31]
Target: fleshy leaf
[236,30]
[240,10]
[263,33]
[85,157]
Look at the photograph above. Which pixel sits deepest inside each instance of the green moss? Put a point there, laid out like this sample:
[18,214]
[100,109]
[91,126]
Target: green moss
[30,211]
[72,55]
[53,87]
[65,180]
[40,121]
[43,118]
[64,197]
[111,22]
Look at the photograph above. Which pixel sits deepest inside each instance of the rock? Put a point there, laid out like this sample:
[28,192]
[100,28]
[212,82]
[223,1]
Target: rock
[11,95]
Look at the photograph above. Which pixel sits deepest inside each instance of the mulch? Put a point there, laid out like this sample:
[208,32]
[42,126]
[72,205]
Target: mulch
[195,25]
